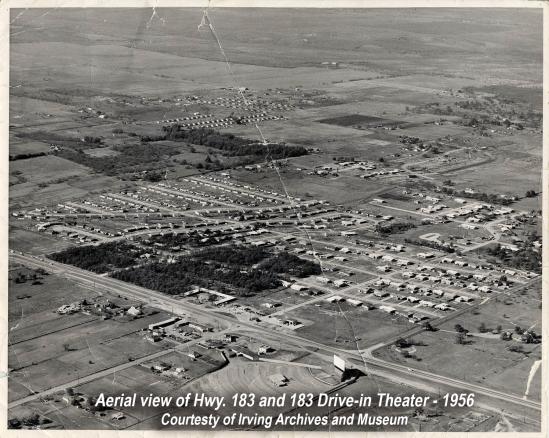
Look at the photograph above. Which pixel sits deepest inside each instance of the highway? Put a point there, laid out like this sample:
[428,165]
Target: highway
[88,378]
[175,306]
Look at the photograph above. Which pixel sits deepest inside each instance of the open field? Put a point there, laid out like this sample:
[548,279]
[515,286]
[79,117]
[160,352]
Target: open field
[344,326]
[48,169]
[488,357]
[89,345]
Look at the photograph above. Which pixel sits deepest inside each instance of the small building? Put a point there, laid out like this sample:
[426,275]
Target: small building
[387,309]
[278,379]
[134,311]
[229,337]
[381,294]
[194,354]
[200,327]
[163,324]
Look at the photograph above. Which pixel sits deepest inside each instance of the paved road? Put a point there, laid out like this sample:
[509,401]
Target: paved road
[176,306]
[86,379]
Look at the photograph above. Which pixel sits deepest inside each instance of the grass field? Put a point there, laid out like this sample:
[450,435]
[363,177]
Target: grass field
[34,242]
[487,357]
[48,169]
[340,325]
[89,344]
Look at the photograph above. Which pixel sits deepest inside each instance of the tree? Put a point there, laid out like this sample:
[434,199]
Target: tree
[482,328]
[31,420]
[402,343]
[460,338]
[21,278]
[14,423]
[505,336]
[153,176]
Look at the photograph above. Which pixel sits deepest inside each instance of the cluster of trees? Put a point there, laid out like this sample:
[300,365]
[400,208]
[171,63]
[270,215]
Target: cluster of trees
[434,108]
[461,334]
[234,255]
[175,278]
[35,276]
[485,197]
[131,158]
[92,140]
[526,336]
[280,263]
[394,228]
[154,176]
[31,421]
[483,329]
[473,122]
[26,156]
[101,258]
[403,343]
[430,244]
[229,143]
[285,263]
[470,105]
[525,258]
[405,139]
[246,269]
[144,157]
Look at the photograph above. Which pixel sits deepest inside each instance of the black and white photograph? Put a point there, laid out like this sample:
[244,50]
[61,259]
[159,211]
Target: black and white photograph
[275,219]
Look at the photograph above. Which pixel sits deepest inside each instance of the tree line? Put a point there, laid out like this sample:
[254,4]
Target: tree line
[229,143]
[525,258]
[100,258]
